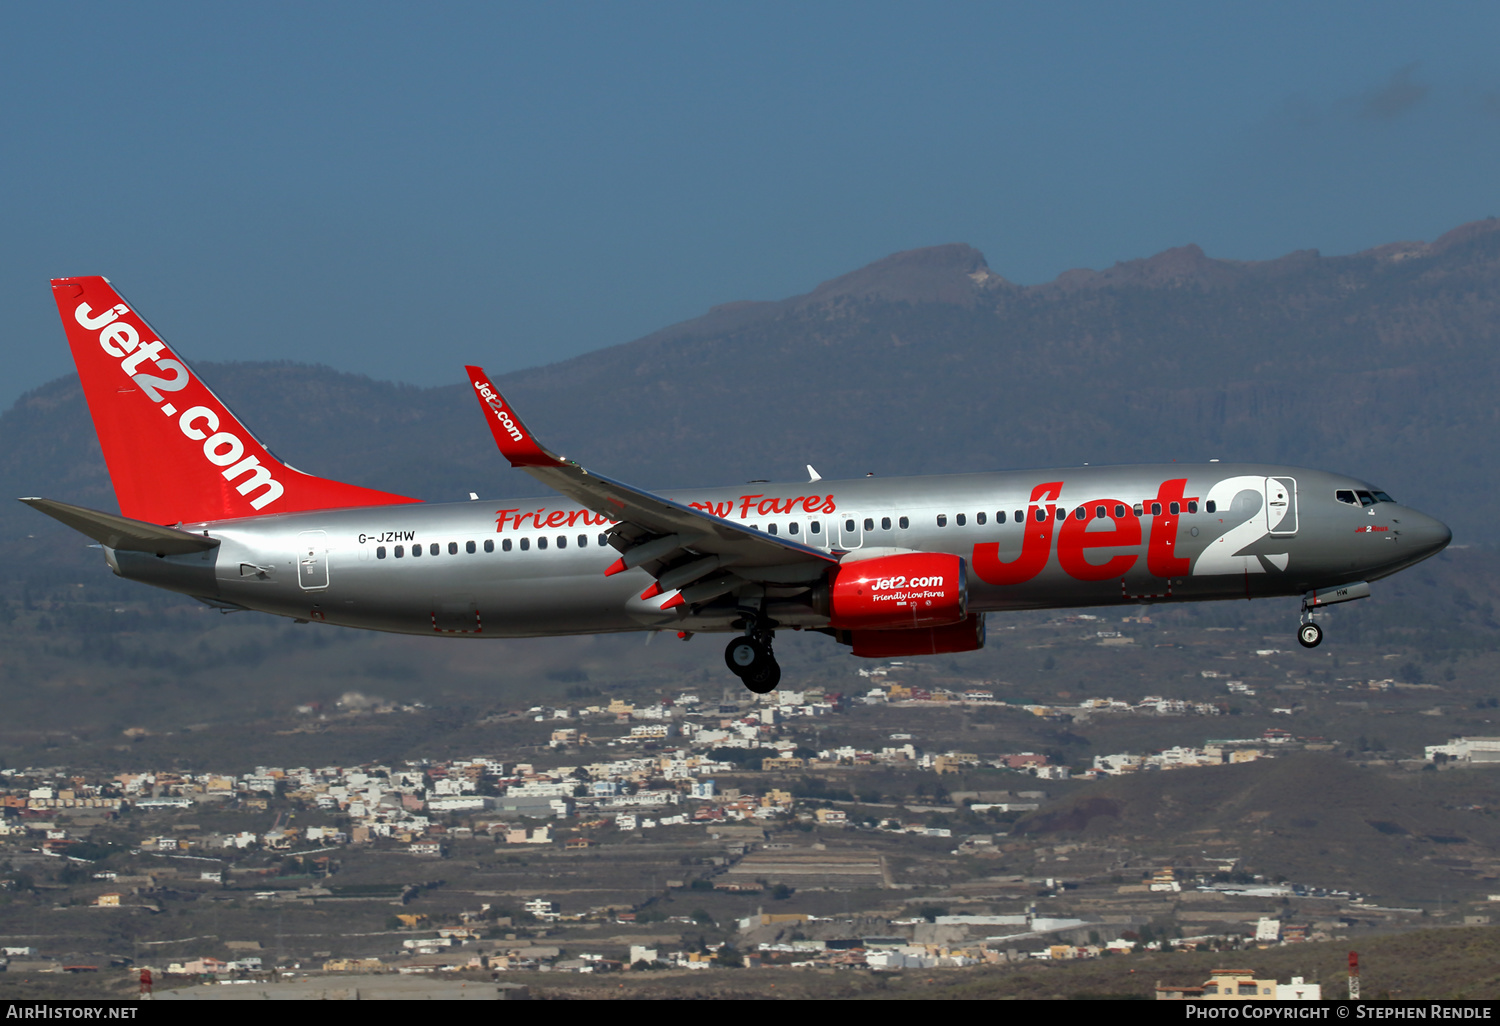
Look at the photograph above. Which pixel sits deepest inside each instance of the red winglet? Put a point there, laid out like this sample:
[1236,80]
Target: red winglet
[516,443]
[617,567]
[652,591]
[673,602]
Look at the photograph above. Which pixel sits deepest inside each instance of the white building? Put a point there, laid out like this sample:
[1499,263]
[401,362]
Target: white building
[1468,749]
[1298,990]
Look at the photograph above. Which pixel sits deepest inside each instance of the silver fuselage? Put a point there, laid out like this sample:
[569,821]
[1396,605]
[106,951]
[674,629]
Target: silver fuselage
[1274,531]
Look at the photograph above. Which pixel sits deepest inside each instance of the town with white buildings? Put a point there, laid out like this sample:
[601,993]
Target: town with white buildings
[757,847]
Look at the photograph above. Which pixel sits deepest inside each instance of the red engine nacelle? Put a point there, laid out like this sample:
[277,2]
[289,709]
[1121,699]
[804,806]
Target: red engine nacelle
[917,589]
[965,636]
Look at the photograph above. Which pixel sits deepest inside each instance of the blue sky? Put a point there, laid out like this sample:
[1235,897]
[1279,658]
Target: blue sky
[399,189]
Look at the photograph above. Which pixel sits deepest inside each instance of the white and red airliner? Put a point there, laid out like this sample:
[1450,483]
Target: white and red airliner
[890,567]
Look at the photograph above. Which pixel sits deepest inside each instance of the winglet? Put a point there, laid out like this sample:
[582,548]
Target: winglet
[516,443]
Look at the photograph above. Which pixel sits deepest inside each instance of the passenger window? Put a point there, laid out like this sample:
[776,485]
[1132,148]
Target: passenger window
[525,544]
[792,527]
[469,548]
[1119,509]
[1080,513]
[816,527]
[1000,516]
[1176,508]
[1346,495]
[1041,515]
[489,545]
[1156,509]
[770,528]
[1211,506]
[400,551]
[505,545]
[583,541]
[562,541]
[849,524]
[904,523]
[1020,516]
[979,519]
[453,548]
[1137,510]
[380,552]
[869,523]
[541,543]
[603,541]
[432,550]
[942,520]
[885,523]
[961,519]
[1060,514]
[416,550]
[1193,506]
[1100,512]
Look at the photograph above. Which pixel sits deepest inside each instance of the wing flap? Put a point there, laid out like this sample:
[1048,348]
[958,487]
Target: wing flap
[652,516]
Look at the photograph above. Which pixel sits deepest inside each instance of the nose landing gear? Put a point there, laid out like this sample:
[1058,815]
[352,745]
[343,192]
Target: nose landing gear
[1309,634]
[750,658]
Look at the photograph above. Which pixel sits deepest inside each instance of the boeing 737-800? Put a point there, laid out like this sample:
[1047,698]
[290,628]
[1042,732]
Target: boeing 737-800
[890,567]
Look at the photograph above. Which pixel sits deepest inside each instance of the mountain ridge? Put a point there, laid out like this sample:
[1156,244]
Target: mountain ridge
[1377,364]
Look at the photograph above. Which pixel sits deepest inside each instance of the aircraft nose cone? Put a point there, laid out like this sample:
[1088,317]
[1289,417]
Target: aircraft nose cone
[1426,533]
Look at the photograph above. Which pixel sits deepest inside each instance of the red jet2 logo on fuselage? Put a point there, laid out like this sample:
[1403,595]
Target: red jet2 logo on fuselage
[1076,539]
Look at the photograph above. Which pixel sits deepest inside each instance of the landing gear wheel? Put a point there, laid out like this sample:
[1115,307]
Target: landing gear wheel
[745,655]
[764,680]
[1309,635]
[750,659]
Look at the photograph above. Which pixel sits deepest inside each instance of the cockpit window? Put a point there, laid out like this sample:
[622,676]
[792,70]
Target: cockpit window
[1382,497]
[1365,498]
[1346,495]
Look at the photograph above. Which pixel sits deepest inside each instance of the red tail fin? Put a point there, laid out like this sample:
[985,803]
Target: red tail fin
[174,451]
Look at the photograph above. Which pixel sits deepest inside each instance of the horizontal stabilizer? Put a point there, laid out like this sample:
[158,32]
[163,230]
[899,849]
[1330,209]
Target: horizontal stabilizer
[117,532]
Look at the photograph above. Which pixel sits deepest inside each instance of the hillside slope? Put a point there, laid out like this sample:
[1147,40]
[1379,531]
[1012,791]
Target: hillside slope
[1381,364]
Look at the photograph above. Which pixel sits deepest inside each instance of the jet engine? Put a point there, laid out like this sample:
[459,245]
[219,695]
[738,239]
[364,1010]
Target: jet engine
[965,636]
[900,592]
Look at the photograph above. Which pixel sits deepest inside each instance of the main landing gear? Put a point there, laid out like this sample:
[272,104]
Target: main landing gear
[750,658]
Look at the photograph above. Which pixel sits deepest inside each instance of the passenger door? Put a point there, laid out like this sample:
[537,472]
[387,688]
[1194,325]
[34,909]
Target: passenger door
[1281,506]
[312,560]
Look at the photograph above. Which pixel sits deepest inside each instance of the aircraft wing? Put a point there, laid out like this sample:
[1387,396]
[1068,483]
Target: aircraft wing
[686,549]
